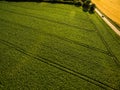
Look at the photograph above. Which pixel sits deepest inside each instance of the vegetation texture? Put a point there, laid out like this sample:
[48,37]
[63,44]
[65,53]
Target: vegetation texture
[45,46]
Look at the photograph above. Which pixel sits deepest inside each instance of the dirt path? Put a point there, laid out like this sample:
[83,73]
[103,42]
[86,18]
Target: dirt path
[108,22]
[111,8]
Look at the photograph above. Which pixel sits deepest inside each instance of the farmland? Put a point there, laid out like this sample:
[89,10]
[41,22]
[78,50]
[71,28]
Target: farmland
[49,46]
[110,8]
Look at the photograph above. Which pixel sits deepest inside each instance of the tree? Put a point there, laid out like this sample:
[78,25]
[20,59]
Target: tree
[77,3]
[86,5]
[87,2]
[83,0]
[92,7]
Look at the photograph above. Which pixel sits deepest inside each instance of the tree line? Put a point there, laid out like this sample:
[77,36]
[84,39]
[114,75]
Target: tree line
[87,5]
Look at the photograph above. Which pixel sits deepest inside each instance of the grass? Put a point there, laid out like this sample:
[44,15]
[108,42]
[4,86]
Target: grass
[56,46]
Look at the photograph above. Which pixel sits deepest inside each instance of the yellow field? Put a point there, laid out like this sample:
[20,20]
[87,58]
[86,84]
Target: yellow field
[111,8]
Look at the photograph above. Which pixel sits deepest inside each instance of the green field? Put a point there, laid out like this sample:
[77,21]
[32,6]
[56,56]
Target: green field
[45,46]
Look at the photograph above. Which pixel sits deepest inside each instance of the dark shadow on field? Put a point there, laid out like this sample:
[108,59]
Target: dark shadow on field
[70,2]
[60,2]
[91,12]
[23,0]
[85,10]
[49,1]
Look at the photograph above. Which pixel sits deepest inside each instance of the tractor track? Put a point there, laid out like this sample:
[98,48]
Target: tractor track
[106,45]
[1,85]
[59,66]
[62,38]
[83,20]
[109,31]
[118,42]
[53,21]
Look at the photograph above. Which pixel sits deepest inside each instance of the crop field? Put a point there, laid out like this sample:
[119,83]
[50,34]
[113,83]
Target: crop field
[111,8]
[45,46]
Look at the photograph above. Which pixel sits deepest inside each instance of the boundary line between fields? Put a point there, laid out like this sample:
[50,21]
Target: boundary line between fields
[61,9]
[108,22]
[109,31]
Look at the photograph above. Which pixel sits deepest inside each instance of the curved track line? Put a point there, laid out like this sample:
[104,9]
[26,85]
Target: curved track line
[59,66]
[110,32]
[63,38]
[41,18]
[84,20]
[106,45]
